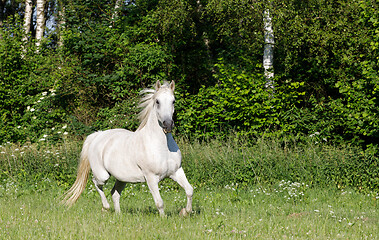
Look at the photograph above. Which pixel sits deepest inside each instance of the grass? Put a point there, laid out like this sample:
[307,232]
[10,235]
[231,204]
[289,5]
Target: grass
[328,192]
[284,210]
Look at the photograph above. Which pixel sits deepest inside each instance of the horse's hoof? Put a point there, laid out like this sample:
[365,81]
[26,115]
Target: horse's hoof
[104,209]
[183,213]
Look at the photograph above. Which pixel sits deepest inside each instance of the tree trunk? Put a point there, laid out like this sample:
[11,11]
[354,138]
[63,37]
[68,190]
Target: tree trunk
[268,54]
[61,23]
[27,19]
[204,35]
[40,28]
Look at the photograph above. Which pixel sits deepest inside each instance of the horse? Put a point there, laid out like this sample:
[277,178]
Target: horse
[149,154]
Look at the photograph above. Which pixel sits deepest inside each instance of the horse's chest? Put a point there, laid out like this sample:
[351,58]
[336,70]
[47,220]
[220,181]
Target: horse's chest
[173,162]
[168,164]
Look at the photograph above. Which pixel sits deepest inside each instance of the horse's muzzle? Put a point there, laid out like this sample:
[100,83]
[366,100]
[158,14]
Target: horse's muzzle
[168,125]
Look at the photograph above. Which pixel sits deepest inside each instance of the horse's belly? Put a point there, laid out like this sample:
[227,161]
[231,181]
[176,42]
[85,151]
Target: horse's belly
[126,173]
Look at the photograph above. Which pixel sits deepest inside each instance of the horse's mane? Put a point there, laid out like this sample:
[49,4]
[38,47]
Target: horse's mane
[147,102]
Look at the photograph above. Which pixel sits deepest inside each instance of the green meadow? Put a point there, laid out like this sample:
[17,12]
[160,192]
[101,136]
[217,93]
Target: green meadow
[259,190]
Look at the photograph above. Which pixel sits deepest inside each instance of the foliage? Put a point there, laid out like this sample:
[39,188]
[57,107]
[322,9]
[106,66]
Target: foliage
[25,82]
[239,102]
[326,69]
[330,46]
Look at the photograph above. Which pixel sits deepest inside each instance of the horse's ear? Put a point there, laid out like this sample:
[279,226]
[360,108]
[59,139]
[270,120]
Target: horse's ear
[157,85]
[172,85]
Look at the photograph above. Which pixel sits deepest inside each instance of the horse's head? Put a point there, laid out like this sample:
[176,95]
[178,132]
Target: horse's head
[164,102]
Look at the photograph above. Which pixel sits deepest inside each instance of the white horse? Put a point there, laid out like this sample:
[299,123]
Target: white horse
[149,154]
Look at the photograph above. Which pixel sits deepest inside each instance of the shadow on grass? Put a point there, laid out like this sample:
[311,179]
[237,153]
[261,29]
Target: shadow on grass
[151,210]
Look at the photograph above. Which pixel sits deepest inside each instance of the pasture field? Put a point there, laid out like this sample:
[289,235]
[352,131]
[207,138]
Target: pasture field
[285,210]
[262,189]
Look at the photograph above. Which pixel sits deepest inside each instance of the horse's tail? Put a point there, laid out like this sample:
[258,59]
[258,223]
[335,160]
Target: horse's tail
[72,195]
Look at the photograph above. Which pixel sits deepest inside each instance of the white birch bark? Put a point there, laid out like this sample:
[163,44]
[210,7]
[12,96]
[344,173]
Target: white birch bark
[40,28]
[61,23]
[27,19]
[268,54]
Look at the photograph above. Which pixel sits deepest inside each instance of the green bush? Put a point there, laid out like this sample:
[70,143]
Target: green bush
[240,102]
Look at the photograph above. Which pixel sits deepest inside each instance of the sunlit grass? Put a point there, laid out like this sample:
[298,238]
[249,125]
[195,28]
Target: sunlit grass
[265,190]
[262,212]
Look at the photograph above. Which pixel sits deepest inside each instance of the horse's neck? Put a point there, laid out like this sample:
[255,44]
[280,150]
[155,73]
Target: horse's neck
[153,130]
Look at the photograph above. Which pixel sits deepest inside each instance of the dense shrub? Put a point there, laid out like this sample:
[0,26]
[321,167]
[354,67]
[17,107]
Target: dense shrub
[326,68]
[239,102]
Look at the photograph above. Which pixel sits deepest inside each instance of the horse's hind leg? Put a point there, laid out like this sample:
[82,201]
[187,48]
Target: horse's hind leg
[116,193]
[99,187]
[181,179]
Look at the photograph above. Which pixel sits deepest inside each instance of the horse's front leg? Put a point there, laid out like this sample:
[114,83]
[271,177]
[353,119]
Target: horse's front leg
[181,179]
[152,181]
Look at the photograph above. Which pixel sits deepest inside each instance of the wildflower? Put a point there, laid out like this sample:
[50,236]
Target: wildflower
[314,134]
[44,93]
[64,127]
[32,109]
[65,133]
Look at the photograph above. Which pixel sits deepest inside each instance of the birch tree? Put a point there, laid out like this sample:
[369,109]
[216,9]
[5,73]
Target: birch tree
[61,22]
[40,28]
[268,54]
[27,20]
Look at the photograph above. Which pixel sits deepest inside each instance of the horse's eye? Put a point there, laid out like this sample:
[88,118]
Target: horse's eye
[157,102]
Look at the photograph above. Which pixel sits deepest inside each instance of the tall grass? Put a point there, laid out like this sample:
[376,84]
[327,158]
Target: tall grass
[268,161]
[214,162]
